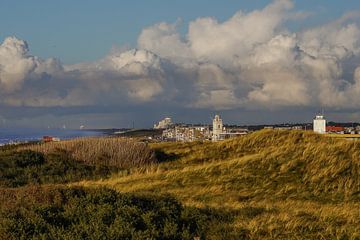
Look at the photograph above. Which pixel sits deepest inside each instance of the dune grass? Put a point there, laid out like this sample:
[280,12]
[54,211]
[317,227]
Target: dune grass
[117,152]
[277,184]
[72,160]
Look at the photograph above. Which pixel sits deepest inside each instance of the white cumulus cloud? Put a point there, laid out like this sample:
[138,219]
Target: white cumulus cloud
[250,60]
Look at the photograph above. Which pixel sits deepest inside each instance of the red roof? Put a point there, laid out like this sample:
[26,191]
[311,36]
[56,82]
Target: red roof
[47,138]
[334,129]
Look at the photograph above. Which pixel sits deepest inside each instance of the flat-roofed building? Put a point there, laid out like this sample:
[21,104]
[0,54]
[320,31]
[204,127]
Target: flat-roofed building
[319,124]
[165,123]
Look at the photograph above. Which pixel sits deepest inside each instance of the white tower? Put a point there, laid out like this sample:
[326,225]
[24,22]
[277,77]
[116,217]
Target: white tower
[319,124]
[217,128]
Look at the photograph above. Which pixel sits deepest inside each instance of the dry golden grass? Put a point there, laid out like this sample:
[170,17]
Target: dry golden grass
[278,184]
[119,152]
[355,136]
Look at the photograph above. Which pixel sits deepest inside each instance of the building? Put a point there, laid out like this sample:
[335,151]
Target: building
[165,123]
[218,129]
[50,139]
[319,125]
[189,132]
[233,132]
[186,133]
[169,134]
[335,129]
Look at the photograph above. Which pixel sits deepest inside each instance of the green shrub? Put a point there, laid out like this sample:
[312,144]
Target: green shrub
[78,213]
[25,167]
[28,158]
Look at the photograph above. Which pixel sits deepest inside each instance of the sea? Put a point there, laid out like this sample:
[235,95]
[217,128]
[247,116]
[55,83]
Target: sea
[10,136]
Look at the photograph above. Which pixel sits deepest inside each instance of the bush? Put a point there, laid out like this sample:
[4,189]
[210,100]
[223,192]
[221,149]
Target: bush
[24,167]
[28,158]
[78,213]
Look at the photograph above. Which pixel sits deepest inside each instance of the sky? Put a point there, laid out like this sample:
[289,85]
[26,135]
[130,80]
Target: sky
[114,63]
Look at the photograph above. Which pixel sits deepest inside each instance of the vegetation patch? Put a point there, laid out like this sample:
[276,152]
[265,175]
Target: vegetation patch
[18,168]
[79,213]
[274,184]
[272,164]
[266,185]
[109,151]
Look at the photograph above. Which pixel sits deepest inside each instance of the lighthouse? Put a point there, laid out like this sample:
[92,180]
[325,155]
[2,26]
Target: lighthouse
[319,124]
[217,128]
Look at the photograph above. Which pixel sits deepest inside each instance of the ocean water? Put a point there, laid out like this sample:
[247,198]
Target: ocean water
[26,135]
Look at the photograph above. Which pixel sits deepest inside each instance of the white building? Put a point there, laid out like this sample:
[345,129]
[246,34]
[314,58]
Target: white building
[217,129]
[186,133]
[165,123]
[319,124]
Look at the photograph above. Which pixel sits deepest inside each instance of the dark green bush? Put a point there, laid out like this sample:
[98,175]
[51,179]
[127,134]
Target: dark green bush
[28,158]
[29,167]
[78,213]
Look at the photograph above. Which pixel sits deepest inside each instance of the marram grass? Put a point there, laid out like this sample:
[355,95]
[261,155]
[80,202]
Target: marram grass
[118,152]
[276,184]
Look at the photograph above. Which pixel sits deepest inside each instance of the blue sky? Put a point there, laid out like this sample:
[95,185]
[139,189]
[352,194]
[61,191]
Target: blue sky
[279,61]
[85,30]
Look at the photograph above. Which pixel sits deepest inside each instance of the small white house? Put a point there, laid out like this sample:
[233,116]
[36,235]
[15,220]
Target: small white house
[319,124]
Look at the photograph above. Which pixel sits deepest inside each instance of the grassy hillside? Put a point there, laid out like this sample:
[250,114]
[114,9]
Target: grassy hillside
[277,184]
[266,185]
